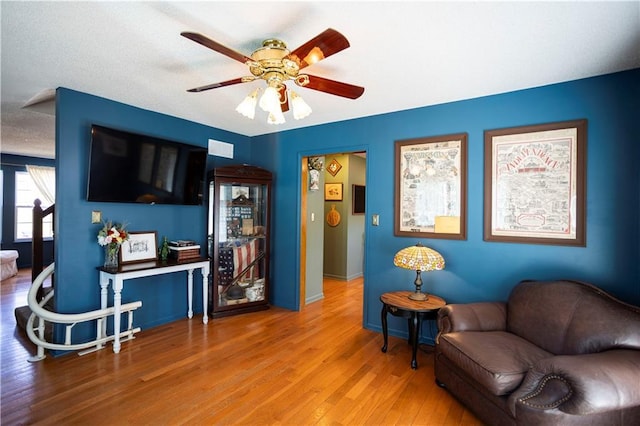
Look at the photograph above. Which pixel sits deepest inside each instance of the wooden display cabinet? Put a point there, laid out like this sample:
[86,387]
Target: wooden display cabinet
[238,239]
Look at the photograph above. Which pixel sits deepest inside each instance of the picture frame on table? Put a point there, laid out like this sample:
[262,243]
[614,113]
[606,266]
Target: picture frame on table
[333,191]
[535,184]
[430,199]
[140,247]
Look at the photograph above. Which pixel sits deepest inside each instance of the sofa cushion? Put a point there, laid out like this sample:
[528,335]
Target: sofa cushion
[572,318]
[498,360]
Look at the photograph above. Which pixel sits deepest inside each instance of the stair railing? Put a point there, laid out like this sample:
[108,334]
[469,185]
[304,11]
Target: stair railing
[36,323]
[37,239]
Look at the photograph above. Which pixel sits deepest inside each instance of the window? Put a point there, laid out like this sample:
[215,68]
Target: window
[26,193]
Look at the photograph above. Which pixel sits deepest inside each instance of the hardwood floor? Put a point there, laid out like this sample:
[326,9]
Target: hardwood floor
[275,367]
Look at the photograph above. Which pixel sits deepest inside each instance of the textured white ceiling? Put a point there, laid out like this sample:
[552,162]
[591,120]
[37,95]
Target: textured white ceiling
[405,54]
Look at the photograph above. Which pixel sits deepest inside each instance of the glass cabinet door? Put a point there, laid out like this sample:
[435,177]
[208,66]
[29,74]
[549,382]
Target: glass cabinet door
[239,244]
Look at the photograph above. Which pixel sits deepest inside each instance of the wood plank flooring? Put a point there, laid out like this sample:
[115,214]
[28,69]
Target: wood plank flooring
[275,367]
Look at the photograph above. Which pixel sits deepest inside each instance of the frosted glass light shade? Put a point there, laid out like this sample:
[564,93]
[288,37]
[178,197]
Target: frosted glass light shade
[276,117]
[248,106]
[270,100]
[300,108]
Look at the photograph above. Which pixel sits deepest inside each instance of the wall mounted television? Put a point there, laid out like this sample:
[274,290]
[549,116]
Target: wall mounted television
[127,167]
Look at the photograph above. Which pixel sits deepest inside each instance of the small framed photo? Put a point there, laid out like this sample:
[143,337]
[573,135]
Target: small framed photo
[333,191]
[334,167]
[140,247]
[239,191]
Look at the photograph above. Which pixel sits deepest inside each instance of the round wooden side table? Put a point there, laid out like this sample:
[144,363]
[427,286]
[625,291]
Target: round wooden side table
[398,304]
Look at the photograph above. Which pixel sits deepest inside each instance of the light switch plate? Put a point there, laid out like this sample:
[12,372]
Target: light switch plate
[375,220]
[96,216]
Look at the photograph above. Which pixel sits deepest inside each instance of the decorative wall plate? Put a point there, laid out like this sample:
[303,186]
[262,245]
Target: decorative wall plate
[333,217]
[334,167]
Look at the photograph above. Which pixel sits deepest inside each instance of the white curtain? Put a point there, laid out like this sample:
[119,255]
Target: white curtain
[45,179]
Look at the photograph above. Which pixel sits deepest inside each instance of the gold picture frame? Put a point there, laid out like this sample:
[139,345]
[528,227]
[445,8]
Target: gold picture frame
[334,167]
[333,191]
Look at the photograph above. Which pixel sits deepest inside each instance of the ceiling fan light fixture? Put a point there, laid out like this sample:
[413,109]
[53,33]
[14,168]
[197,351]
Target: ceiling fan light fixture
[270,100]
[276,117]
[248,106]
[275,64]
[300,108]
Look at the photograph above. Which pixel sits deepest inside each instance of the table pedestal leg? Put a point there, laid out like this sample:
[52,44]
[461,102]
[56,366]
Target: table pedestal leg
[384,327]
[102,325]
[414,333]
[190,292]
[117,303]
[205,293]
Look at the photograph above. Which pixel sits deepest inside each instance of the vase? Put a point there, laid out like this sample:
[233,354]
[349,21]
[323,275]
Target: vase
[111,256]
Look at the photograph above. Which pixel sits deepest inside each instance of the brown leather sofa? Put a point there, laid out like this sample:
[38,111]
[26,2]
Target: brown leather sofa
[556,353]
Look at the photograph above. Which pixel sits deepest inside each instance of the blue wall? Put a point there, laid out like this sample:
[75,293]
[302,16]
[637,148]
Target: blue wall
[77,252]
[10,165]
[476,270]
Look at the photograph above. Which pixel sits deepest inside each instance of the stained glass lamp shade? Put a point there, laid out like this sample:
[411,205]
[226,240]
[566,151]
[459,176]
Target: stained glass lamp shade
[419,258]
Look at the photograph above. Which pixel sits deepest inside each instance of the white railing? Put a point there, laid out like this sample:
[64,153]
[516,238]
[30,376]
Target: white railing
[40,315]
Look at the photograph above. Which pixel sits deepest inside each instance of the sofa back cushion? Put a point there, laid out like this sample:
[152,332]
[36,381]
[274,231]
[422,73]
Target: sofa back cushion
[570,317]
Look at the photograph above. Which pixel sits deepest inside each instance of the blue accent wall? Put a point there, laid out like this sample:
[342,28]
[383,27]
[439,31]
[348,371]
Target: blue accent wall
[77,253]
[475,270]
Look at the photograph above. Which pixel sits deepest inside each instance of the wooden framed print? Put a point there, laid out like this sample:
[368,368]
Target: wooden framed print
[535,184]
[333,191]
[431,187]
[140,247]
[334,167]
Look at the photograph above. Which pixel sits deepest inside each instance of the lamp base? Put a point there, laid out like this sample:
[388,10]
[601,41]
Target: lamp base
[418,296]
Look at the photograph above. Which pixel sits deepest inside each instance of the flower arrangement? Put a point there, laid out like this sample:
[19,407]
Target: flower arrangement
[111,236]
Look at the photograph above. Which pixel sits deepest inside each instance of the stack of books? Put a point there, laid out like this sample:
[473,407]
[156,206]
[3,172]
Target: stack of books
[184,250]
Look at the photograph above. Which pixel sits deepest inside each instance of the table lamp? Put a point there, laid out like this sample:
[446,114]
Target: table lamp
[419,258]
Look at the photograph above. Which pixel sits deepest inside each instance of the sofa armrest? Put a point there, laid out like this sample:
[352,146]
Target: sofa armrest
[480,316]
[582,384]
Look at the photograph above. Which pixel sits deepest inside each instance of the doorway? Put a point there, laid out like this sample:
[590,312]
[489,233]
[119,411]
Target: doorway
[332,233]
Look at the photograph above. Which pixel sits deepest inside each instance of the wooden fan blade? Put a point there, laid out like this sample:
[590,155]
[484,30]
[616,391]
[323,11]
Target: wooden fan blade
[334,87]
[321,46]
[216,85]
[214,45]
[283,95]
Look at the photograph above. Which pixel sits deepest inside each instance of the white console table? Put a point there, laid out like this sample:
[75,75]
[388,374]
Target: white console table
[148,269]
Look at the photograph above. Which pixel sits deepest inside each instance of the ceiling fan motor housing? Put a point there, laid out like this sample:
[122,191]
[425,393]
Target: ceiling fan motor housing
[271,63]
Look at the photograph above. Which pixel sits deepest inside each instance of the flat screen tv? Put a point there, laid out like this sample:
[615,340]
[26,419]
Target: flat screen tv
[126,167]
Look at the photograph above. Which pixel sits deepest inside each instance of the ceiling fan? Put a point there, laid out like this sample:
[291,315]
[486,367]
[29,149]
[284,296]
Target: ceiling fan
[275,64]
